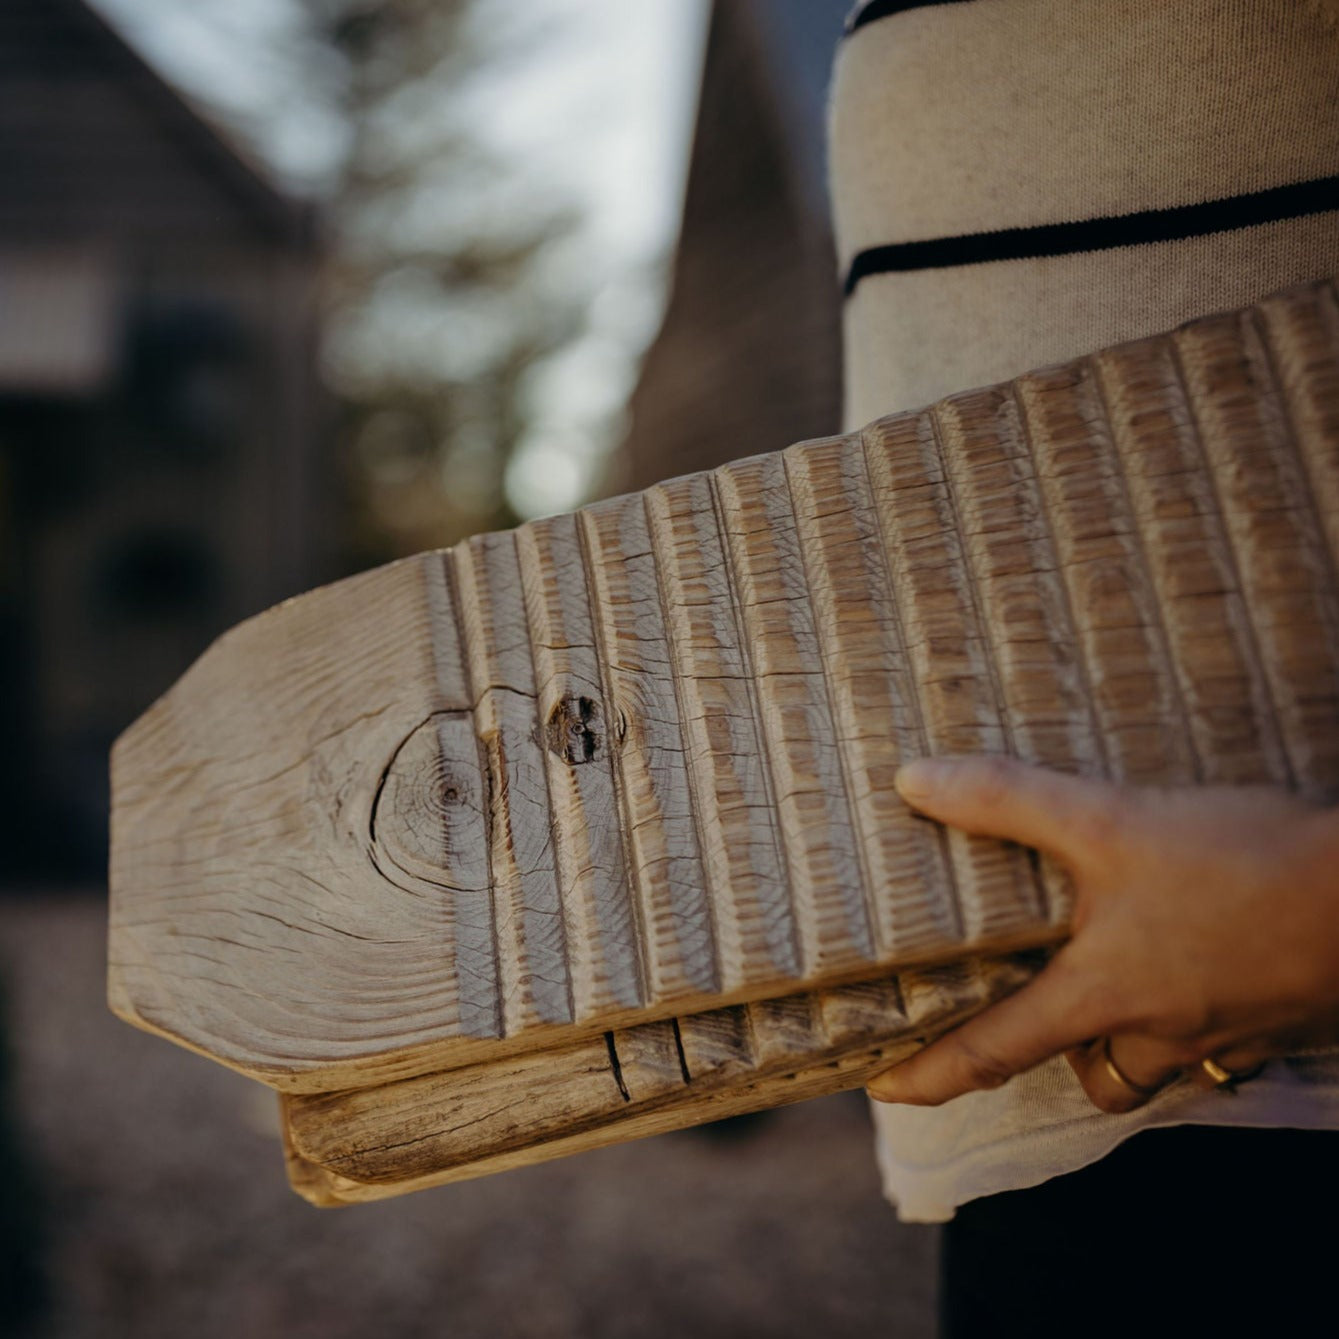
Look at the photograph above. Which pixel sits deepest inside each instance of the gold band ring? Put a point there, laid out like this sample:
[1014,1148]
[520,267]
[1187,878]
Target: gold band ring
[1138,1089]
[1225,1080]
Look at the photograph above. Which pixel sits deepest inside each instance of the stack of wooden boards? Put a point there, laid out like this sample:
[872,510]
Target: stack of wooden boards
[587,830]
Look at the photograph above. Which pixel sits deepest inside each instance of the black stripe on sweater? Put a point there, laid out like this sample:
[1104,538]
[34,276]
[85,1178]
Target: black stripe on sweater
[882,9]
[1101,234]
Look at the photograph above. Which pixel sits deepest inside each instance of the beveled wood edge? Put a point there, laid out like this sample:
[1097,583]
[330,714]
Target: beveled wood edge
[458,1053]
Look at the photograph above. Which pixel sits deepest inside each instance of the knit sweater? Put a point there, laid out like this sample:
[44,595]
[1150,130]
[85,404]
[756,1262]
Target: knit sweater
[1019,182]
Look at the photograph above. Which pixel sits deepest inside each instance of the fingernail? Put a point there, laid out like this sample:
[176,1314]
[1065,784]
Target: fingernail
[922,779]
[887,1087]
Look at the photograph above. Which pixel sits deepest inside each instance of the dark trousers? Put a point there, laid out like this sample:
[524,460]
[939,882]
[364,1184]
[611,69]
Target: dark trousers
[1191,1230]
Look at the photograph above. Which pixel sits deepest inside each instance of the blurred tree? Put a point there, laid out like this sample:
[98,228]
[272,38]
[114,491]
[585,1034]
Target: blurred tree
[438,304]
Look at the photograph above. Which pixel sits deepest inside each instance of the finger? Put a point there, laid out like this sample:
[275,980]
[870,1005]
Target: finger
[1047,1016]
[1001,797]
[1126,1072]
[1237,1064]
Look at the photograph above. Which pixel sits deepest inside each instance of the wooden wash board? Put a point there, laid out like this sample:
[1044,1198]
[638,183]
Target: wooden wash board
[586,830]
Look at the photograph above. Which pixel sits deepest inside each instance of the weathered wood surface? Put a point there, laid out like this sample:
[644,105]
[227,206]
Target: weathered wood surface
[513,806]
[371,1143]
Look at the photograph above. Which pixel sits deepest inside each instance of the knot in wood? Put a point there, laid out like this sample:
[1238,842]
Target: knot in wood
[428,819]
[575,730]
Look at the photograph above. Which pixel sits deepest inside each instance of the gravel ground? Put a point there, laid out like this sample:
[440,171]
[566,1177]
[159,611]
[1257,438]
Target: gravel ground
[168,1214]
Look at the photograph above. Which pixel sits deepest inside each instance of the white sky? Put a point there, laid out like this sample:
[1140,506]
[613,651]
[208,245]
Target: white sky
[602,108]
[605,107]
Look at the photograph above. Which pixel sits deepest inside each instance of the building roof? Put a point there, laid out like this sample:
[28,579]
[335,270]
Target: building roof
[799,40]
[94,143]
[747,356]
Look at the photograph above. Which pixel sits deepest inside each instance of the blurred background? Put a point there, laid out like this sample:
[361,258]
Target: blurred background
[289,288]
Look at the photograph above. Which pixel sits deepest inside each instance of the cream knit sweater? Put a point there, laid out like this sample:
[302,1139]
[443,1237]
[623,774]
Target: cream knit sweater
[1018,182]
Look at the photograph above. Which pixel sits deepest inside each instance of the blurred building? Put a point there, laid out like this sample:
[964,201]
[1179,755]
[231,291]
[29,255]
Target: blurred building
[748,358]
[158,477]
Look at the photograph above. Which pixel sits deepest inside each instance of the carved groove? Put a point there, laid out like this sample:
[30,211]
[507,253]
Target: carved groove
[532,948]
[679,946]
[736,827]
[878,712]
[1228,714]
[947,649]
[1303,330]
[797,732]
[1280,555]
[600,923]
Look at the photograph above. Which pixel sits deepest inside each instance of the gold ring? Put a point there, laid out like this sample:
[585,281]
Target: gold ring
[1121,1077]
[1225,1080]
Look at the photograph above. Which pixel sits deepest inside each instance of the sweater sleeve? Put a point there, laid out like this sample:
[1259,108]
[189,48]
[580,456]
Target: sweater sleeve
[1018,182]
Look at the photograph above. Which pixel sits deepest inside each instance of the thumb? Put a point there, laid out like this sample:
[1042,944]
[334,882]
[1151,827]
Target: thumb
[1000,797]
[1048,1016]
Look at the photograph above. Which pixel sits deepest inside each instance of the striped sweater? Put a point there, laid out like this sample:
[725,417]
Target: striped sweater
[1019,182]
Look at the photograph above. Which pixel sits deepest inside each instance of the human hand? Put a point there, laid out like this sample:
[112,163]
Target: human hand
[1205,927]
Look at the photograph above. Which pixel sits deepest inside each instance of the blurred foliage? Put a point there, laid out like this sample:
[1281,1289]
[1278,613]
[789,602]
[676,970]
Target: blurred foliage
[437,305]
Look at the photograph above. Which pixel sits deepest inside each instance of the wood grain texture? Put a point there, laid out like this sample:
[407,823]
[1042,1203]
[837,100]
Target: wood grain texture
[534,985]
[594,891]
[876,711]
[992,887]
[601,810]
[665,855]
[733,805]
[1136,730]
[1225,699]
[812,803]
[368,1144]
[243,841]
[1286,570]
